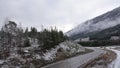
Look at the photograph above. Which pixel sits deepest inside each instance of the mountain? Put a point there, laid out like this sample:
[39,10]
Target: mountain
[95,25]
[106,33]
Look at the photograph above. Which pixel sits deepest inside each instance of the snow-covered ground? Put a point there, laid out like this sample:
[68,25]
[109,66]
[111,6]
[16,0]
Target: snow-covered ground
[116,62]
[67,47]
[29,54]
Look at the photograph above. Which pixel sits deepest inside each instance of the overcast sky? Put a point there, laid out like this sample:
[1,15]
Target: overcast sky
[64,14]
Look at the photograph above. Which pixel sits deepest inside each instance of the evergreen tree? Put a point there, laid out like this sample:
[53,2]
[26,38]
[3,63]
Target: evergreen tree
[33,33]
[26,32]
[27,42]
[50,38]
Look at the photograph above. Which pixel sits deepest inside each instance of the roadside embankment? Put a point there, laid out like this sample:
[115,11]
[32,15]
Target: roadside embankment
[77,61]
[102,61]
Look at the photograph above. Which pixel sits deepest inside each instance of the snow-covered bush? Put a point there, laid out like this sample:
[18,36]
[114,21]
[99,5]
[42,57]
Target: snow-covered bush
[50,55]
[70,47]
[66,48]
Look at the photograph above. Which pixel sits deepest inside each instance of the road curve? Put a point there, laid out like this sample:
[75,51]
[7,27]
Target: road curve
[116,62]
[77,61]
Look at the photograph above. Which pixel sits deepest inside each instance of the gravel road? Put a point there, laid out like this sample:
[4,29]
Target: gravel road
[77,61]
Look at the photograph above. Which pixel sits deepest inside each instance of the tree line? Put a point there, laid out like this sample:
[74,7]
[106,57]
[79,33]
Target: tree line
[12,35]
[98,43]
[47,38]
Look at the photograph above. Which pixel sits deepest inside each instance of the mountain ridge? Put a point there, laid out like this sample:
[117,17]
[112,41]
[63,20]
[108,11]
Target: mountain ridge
[104,21]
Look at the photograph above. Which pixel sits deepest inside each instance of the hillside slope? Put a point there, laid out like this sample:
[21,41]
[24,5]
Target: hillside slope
[107,20]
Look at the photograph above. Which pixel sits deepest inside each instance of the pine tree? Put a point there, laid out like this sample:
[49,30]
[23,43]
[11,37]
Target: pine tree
[26,32]
[50,38]
[27,42]
[33,33]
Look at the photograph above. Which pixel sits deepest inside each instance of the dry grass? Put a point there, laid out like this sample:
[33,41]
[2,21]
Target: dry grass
[102,61]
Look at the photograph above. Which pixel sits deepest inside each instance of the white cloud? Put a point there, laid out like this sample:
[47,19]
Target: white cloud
[65,14]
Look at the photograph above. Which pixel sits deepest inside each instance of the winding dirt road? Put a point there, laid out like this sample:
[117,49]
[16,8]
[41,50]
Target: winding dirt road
[77,61]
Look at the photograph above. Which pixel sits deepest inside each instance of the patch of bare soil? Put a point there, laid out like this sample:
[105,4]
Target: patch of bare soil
[102,61]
